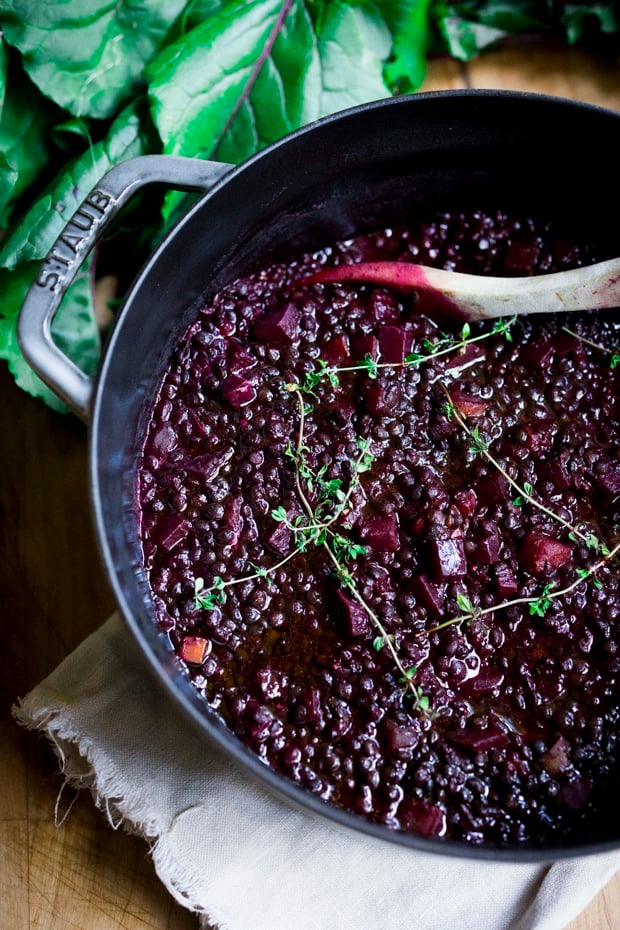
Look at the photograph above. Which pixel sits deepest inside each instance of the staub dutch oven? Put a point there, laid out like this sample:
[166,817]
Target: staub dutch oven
[371,165]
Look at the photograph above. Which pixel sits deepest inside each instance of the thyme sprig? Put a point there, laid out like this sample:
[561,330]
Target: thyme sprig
[445,345]
[537,604]
[478,445]
[324,500]
[614,361]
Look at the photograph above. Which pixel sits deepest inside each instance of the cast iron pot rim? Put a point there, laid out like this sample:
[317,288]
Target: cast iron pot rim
[151,642]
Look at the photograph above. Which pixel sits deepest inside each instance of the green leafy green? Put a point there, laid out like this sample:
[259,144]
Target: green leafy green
[88,55]
[25,116]
[466,27]
[87,83]
[37,230]
[410,25]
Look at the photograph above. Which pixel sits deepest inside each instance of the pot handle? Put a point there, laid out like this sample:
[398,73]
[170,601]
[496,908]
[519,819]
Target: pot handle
[59,268]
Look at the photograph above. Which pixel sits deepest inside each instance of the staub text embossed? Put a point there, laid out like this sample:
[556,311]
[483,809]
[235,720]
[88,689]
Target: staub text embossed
[69,245]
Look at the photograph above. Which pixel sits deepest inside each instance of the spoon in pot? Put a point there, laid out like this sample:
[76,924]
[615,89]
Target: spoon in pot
[477,297]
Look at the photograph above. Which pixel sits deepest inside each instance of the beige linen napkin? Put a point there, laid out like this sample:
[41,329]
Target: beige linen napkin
[235,855]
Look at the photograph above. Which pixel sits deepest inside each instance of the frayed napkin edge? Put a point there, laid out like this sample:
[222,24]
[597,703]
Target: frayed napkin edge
[72,749]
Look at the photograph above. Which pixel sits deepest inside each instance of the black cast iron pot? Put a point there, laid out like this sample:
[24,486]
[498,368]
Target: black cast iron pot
[372,165]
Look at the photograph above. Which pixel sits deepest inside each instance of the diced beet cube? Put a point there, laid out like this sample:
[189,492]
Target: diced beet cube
[448,558]
[207,465]
[194,649]
[486,679]
[469,355]
[314,708]
[171,531]
[237,391]
[539,353]
[565,345]
[488,547]
[394,344]
[505,582]
[608,479]
[466,501]
[575,793]
[336,350]
[280,327]
[383,306]
[398,736]
[554,472]
[383,398]
[492,489]
[380,533]
[233,518]
[279,539]
[521,257]
[420,818]
[165,439]
[556,758]
[479,739]
[365,344]
[430,594]
[538,436]
[466,404]
[239,359]
[540,553]
[356,618]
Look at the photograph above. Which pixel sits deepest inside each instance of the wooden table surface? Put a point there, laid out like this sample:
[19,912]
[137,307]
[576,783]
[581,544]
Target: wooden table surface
[83,875]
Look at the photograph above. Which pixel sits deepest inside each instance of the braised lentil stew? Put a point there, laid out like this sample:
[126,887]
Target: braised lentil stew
[334,553]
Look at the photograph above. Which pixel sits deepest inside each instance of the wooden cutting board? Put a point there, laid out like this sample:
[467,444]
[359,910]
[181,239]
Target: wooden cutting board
[83,875]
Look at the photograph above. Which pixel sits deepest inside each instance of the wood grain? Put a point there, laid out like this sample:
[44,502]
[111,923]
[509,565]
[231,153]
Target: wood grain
[84,875]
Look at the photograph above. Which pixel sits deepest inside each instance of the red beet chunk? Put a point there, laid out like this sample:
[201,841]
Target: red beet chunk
[466,502]
[383,398]
[365,344]
[488,547]
[420,818]
[448,558]
[466,404]
[539,353]
[171,531]
[556,758]
[575,793]
[481,739]
[469,355]
[164,440]
[608,479]
[337,350]
[399,737]
[234,519]
[430,594]
[380,533]
[486,679]
[555,472]
[356,619]
[394,344]
[279,327]
[279,539]
[505,581]
[237,391]
[194,649]
[541,554]
[538,436]
[239,359]
[492,489]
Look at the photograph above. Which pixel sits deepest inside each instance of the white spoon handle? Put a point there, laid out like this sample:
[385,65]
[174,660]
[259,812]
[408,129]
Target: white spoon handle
[594,287]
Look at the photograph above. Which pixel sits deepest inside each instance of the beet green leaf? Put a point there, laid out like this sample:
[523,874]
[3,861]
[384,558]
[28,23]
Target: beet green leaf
[87,55]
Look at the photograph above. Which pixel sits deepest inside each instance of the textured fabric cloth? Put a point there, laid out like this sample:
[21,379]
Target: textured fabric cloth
[241,859]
